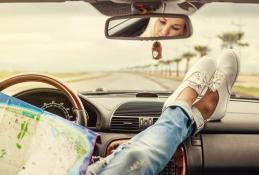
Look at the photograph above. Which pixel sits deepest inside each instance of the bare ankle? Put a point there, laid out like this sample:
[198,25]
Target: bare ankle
[207,104]
[188,95]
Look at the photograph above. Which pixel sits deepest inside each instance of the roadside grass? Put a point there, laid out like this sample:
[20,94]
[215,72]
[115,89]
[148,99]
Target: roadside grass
[250,91]
[83,76]
[4,74]
[67,77]
[239,88]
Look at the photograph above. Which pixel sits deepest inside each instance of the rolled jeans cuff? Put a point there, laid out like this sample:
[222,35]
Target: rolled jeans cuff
[193,113]
[198,120]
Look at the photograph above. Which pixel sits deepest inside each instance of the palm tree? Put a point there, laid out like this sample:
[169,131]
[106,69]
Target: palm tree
[231,39]
[170,62]
[202,50]
[161,65]
[177,61]
[188,56]
[156,67]
[167,63]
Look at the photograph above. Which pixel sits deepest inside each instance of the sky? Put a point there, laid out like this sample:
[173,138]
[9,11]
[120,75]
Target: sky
[69,37]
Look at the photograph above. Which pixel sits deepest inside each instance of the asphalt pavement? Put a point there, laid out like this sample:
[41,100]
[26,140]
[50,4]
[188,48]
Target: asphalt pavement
[108,81]
[126,81]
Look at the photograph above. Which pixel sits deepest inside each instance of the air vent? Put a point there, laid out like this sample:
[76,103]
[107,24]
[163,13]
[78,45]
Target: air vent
[169,169]
[139,108]
[125,124]
[155,119]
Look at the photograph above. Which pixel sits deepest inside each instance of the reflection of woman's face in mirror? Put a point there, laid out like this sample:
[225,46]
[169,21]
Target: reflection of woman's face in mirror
[169,27]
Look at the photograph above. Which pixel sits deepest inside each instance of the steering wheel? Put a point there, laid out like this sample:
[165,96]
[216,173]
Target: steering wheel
[78,108]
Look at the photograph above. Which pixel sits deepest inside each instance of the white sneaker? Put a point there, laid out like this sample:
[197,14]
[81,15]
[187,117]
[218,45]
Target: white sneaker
[223,80]
[198,78]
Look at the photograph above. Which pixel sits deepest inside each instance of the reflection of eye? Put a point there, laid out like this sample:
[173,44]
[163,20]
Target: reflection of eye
[162,21]
[176,28]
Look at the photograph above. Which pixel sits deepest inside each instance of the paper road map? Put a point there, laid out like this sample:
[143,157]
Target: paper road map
[34,142]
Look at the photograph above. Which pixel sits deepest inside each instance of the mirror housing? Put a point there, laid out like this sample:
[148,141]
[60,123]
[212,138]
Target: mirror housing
[148,27]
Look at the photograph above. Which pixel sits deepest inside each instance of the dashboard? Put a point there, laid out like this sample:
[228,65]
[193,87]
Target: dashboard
[229,146]
[54,101]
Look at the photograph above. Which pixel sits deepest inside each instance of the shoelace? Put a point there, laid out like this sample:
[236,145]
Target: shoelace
[198,81]
[216,80]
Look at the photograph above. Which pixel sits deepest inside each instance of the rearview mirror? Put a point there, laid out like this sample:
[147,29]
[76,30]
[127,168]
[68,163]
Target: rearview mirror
[148,27]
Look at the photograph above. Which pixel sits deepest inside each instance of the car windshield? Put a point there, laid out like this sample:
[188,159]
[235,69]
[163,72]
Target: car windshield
[67,40]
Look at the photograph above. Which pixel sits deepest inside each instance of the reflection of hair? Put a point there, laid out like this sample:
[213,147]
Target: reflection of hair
[185,28]
[150,29]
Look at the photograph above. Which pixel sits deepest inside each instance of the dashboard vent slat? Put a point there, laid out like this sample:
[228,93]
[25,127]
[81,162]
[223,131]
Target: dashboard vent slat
[155,119]
[135,116]
[125,124]
[139,108]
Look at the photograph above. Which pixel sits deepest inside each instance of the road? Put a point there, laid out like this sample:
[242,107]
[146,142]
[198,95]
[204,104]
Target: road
[131,81]
[126,81]
[108,81]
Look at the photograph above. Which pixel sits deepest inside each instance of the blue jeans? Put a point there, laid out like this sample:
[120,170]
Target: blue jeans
[148,152]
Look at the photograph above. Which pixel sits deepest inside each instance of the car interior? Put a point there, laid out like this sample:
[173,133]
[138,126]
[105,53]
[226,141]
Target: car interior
[229,146]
